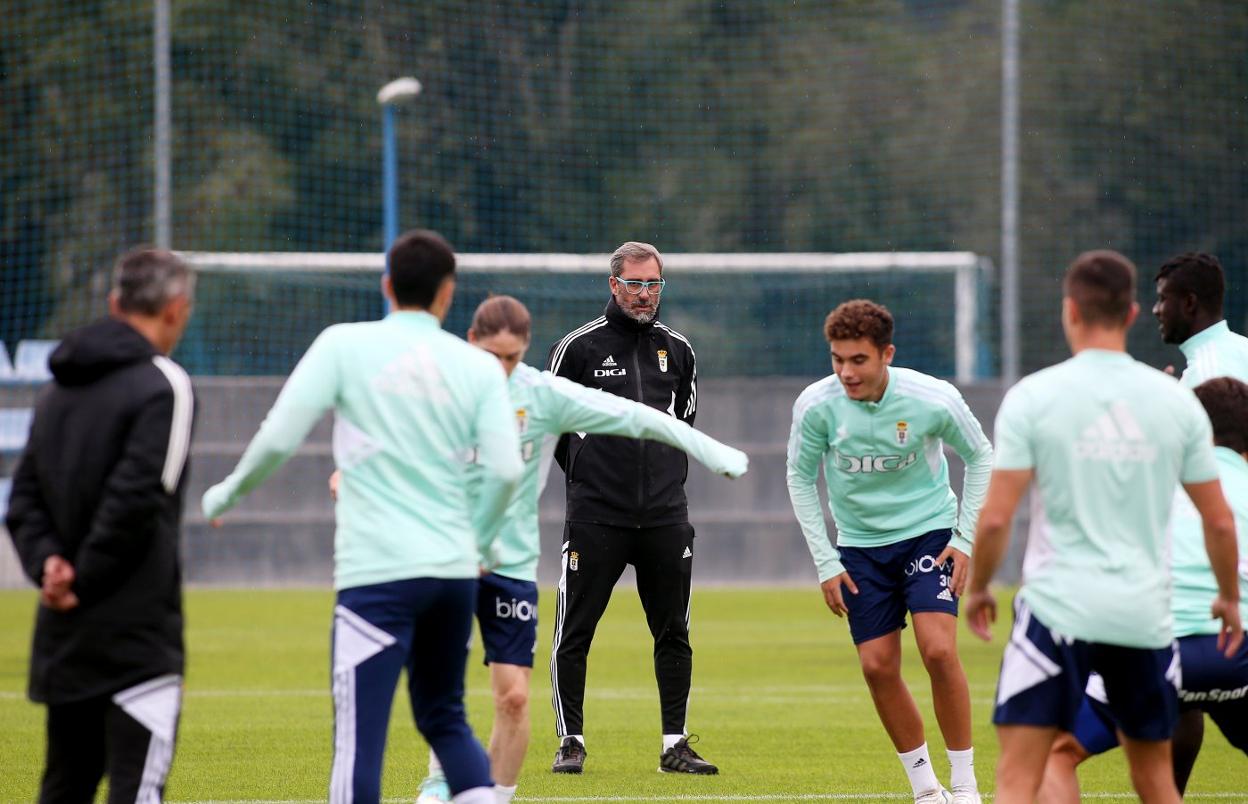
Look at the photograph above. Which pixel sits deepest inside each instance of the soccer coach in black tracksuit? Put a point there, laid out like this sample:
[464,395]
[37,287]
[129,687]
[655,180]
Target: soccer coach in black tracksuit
[626,505]
[94,514]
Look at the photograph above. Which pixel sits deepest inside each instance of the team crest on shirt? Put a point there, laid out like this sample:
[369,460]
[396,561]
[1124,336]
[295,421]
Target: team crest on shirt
[903,433]
[574,560]
[522,420]
[663,360]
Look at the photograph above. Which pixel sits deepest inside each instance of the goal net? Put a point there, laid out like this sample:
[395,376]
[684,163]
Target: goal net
[746,314]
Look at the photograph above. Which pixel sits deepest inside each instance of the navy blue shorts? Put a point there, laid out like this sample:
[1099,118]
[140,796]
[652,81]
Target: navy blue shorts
[895,578]
[1211,683]
[507,612]
[1044,675]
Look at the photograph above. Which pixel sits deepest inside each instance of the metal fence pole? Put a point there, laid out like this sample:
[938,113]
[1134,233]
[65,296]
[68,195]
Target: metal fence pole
[1009,193]
[162,125]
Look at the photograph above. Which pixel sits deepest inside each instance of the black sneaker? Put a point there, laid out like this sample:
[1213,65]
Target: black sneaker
[680,758]
[570,758]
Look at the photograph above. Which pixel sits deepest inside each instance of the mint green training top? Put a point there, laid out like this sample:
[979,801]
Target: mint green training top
[1212,352]
[412,403]
[884,464]
[1215,352]
[1195,586]
[1109,440]
[546,407]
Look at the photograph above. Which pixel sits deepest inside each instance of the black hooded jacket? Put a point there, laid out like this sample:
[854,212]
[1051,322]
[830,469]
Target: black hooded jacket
[100,484]
[625,482]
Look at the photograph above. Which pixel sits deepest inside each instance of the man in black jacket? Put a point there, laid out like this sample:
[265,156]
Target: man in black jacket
[626,505]
[94,514]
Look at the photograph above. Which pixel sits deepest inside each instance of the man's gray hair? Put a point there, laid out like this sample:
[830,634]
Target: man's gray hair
[633,251]
[145,279]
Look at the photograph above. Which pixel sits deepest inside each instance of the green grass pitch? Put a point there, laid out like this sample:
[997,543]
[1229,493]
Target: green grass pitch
[777,699]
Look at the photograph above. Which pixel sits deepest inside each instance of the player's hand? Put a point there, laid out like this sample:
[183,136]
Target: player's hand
[834,596]
[1169,370]
[980,609]
[961,567]
[738,465]
[1231,635]
[334,480]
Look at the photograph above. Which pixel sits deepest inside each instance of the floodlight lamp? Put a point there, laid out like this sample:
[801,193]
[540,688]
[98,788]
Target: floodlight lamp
[398,91]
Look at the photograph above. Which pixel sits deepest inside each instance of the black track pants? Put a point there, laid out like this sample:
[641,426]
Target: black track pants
[594,556]
[130,736]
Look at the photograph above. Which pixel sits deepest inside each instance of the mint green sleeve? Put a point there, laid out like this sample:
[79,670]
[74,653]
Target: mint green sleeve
[963,432]
[808,441]
[310,391]
[1012,433]
[498,453]
[1200,463]
[577,409]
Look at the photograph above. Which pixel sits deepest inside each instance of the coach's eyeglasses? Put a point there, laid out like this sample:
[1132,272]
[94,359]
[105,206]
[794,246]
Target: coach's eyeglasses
[633,287]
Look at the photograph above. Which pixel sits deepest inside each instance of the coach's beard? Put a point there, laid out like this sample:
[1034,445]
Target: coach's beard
[643,315]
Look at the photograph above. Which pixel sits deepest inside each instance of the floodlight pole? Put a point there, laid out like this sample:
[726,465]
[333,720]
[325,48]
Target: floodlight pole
[390,96]
[389,176]
[162,125]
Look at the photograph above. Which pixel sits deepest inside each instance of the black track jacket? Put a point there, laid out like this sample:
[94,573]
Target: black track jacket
[101,483]
[626,482]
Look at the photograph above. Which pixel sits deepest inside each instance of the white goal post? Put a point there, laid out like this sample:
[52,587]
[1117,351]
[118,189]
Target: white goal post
[966,267]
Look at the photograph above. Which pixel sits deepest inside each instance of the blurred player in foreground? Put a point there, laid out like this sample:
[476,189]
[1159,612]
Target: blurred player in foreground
[1107,440]
[95,514]
[545,407]
[879,431]
[1190,290]
[1210,682]
[412,403]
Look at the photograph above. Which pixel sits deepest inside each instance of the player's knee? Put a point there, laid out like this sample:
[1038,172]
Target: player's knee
[512,703]
[1066,754]
[879,669]
[939,656]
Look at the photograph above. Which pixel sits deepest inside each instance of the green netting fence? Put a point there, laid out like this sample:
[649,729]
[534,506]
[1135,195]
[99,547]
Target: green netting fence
[571,126]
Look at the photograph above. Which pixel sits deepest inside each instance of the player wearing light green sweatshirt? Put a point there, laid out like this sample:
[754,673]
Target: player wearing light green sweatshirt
[412,404]
[545,407]
[878,432]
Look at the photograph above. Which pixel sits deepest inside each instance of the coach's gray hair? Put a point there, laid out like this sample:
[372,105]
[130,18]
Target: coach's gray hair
[145,279]
[634,251]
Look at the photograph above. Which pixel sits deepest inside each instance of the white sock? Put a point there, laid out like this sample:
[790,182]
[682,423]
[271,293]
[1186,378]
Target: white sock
[580,738]
[918,767]
[962,764]
[435,767]
[475,795]
[670,740]
[503,794]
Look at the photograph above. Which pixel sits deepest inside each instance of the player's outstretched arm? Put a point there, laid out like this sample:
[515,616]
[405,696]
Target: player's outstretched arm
[308,393]
[588,410]
[1220,544]
[992,537]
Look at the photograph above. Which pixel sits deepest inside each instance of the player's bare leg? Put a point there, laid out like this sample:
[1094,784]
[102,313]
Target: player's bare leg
[509,738]
[1020,768]
[880,659]
[1185,745]
[1061,779]
[1152,771]
[936,635]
